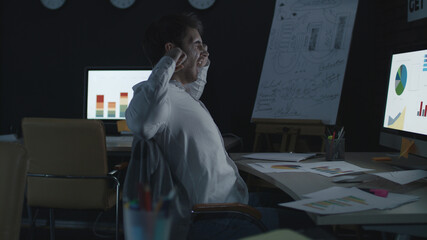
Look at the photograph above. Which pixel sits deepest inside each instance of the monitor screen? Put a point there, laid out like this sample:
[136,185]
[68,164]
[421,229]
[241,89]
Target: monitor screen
[108,91]
[406,103]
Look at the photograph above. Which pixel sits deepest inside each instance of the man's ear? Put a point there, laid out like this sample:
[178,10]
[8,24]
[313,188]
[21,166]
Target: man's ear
[169,46]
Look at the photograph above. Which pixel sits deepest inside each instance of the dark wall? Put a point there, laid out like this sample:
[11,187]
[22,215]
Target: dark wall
[44,52]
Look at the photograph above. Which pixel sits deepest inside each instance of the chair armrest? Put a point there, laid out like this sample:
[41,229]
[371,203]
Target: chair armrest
[118,167]
[121,166]
[227,207]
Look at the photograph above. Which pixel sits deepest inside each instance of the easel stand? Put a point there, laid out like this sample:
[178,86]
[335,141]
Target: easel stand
[289,129]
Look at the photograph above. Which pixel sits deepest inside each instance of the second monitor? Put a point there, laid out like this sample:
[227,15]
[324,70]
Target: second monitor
[108,90]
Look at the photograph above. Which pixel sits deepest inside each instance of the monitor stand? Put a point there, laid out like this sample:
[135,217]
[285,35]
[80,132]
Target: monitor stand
[111,128]
[410,163]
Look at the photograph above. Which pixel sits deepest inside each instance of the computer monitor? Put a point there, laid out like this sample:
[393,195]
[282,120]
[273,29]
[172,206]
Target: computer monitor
[108,91]
[405,112]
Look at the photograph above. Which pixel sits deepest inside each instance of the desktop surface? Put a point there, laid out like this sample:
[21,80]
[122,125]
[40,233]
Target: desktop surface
[300,183]
[120,143]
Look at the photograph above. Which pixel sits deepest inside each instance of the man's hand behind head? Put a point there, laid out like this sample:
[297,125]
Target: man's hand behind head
[178,56]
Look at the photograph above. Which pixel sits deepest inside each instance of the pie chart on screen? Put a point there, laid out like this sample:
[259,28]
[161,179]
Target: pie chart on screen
[401,77]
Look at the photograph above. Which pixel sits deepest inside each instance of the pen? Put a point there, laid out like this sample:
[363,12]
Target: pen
[331,147]
[144,195]
[341,132]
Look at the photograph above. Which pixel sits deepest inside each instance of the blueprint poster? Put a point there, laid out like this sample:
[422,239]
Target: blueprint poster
[305,61]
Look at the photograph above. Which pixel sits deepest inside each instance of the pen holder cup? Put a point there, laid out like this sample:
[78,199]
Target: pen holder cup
[146,225]
[334,149]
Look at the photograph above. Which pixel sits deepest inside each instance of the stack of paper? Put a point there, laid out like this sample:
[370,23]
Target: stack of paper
[328,169]
[288,157]
[336,200]
[403,177]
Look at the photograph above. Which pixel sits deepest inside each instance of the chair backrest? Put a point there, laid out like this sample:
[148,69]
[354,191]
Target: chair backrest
[68,147]
[148,166]
[13,170]
[65,146]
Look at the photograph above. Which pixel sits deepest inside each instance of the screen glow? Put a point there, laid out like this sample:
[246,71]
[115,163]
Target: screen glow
[406,106]
[110,91]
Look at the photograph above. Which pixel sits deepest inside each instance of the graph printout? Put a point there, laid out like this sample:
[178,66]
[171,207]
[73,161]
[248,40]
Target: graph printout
[328,168]
[305,60]
[110,91]
[333,168]
[336,200]
[269,167]
[406,106]
[343,200]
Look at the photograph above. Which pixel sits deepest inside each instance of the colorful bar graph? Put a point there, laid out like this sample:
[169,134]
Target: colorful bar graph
[123,103]
[347,201]
[111,109]
[326,169]
[99,106]
[425,63]
[423,110]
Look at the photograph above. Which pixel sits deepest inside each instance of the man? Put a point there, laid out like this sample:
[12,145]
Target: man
[166,108]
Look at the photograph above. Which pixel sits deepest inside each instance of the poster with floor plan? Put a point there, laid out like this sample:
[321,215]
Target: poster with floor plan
[305,60]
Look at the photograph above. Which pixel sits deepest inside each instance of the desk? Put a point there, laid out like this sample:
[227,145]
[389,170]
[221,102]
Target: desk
[298,184]
[119,143]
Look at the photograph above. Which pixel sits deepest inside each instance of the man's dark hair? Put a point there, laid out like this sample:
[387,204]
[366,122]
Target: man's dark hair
[170,28]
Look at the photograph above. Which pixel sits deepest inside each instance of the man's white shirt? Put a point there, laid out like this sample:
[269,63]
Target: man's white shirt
[173,115]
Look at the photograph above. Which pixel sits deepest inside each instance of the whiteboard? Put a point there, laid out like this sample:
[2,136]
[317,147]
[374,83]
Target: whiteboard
[305,60]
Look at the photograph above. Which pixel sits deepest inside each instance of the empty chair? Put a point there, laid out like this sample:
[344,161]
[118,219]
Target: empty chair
[14,165]
[68,166]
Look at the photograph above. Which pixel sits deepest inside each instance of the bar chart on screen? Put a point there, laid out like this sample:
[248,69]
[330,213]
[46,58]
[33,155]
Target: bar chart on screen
[423,110]
[109,91]
[111,111]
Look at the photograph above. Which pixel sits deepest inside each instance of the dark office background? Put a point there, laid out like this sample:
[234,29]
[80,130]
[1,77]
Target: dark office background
[44,53]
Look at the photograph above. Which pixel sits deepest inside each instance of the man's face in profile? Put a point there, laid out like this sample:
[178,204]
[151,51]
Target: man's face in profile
[192,45]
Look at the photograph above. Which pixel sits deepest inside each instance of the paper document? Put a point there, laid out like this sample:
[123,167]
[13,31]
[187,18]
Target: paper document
[336,200]
[334,168]
[395,200]
[353,178]
[269,167]
[288,157]
[343,200]
[278,234]
[328,169]
[392,200]
[403,177]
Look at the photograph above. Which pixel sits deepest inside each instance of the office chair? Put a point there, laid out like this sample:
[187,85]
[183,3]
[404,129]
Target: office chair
[148,166]
[68,166]
[13,169]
